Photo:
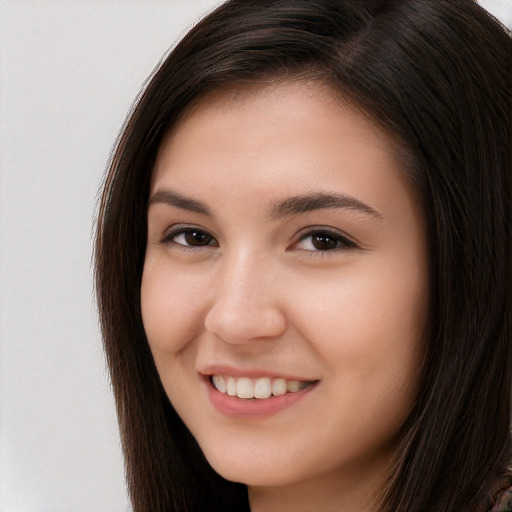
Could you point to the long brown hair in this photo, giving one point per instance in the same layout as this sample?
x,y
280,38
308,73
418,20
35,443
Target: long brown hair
x,y
435,74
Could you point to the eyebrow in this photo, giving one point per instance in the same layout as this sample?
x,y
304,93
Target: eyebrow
x,y
171,198
322,201
291,206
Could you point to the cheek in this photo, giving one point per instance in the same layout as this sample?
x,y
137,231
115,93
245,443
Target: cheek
x,y
370,323
368,330
171,314
171,306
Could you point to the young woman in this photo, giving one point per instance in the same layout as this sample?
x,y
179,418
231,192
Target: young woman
x,y
304,262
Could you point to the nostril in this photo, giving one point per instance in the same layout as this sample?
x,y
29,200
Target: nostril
x,y
247,323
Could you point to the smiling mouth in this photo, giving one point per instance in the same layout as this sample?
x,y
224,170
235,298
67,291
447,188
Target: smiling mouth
x,y
264,387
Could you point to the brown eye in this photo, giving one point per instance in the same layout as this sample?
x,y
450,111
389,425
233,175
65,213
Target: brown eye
x,y
323,241
197,238
190,237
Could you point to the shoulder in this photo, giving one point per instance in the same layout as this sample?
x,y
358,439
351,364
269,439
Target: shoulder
x,y
496,494
502,495
503,501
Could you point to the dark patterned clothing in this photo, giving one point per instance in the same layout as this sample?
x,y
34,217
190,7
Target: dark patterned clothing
x,y
503,501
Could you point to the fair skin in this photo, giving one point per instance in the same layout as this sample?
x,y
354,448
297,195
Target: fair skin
x,y
285,249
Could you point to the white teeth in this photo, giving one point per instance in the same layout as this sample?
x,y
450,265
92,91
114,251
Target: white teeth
x,y
264,387
278,387
219,383
244,388
231,386
292,386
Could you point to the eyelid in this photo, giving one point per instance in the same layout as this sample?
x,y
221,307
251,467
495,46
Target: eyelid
x,y
171,232
347,241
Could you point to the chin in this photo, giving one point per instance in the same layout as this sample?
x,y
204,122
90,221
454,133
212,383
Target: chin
x,y
251,471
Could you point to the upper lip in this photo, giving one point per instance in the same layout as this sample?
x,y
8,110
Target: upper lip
x,y
252,373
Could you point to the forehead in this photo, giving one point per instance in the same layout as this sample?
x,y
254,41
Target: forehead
x,y
299,129
302,97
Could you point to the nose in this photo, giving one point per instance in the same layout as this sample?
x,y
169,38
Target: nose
x,y
246,303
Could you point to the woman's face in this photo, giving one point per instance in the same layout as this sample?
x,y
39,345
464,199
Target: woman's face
x,y
286,265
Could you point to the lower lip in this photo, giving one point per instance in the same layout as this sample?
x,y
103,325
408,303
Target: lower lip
x,y
255,407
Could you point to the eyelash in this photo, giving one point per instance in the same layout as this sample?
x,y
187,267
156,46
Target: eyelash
x,y
169,237
342,242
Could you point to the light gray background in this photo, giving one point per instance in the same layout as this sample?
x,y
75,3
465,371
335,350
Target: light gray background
x,y
69,71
